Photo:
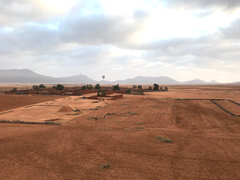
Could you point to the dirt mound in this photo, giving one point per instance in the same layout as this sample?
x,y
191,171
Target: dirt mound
x,y
66,109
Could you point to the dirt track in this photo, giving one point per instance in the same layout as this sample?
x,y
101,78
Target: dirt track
x,y
206,143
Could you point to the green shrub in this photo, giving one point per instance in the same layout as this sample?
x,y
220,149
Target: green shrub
x,y
105,166
164,140
101,93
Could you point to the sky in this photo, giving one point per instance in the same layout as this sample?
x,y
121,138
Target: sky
x,y
122,39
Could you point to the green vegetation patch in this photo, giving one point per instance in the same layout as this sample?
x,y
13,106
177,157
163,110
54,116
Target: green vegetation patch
x,y
28,122
132,113
164,140
105,166
95,101
140,123
93,117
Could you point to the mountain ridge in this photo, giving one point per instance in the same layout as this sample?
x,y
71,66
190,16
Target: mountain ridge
x,y
28,76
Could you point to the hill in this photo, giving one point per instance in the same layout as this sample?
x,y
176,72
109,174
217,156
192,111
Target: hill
x,y
28,76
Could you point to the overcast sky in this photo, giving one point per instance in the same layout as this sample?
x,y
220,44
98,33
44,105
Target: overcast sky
x,y
181,39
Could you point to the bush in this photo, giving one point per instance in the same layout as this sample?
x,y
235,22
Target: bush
x,y
101,93
105,166
134,86
150,88
164,140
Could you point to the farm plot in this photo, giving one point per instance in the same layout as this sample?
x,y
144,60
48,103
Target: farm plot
x,y
14,101
137,137
230,106
57,110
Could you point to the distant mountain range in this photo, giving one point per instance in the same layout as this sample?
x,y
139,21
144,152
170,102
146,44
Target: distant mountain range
x,y
28,76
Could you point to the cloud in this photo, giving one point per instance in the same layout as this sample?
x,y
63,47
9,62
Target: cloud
x,y
201,4
233,31
32,38
100,29
17,12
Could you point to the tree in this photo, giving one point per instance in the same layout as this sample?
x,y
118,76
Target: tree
x,y
35,87
129,91
134,86
14,89
59,87
116,87
42,86
150,87
97,86
90,87
84,87
155,87
139,86
166,89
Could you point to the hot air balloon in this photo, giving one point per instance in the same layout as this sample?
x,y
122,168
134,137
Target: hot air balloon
x,y
103,76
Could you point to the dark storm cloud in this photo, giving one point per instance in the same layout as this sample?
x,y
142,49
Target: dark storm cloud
x,y
100,29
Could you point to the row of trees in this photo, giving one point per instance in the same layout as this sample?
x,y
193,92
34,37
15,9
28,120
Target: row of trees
x,y
90,87
37,87
60,87
156,87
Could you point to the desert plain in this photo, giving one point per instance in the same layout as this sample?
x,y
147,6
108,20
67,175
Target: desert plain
x,y
177,134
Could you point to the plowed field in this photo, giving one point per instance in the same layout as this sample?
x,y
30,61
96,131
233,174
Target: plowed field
x,y
14,101
201,142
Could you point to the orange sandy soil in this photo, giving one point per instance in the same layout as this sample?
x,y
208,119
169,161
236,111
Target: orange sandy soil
x,y
206,140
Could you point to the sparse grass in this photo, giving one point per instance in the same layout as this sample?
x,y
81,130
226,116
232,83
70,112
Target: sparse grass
x,y
95,101
124,115
164,140
138,128
105,166
140,123
135,129
118,122
93,117
29,122
132,113
75,114
106,129
124,104
97,108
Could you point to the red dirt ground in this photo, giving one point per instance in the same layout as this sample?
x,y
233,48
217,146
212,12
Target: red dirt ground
x,y
14,101
206,141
